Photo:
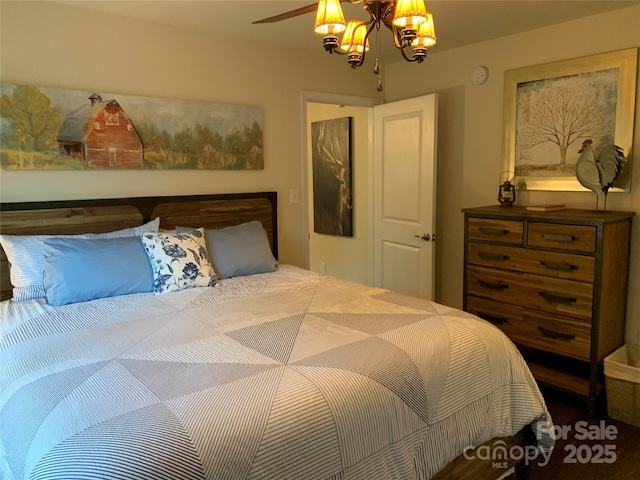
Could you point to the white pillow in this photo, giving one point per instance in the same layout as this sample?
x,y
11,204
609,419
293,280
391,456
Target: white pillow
x,y
179,260
26,257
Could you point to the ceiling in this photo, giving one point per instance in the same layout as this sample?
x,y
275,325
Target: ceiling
x,y
458,22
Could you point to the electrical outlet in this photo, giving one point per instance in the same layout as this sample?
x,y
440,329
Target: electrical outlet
x,y
323,267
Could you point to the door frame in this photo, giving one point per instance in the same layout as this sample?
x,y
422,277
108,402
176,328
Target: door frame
x,y
332,99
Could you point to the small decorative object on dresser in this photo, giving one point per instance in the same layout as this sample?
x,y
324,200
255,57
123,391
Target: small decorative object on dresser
x,y
556,283
507,190
600,173
546,207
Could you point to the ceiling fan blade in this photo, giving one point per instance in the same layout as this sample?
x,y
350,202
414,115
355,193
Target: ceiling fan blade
x,y
298,11
293,13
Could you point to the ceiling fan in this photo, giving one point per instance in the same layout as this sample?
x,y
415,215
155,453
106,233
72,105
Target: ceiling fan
x,y
409,21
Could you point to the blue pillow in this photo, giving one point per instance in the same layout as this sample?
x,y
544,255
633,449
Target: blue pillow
x,y
78,270
239,250
26,259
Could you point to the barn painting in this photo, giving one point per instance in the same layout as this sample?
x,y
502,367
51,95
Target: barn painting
x,y
332,182
101,135
45,128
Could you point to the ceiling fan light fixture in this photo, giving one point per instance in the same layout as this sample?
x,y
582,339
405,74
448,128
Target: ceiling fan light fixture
x,y
411,25
426,36
355,37
329,18
409,14
355,42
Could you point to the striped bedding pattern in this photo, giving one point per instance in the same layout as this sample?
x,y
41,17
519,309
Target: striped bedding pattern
x,y
284,375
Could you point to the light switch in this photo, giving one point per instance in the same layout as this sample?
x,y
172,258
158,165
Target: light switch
x,y
293,196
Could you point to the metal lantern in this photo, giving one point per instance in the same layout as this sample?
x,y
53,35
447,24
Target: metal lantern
x,y
507,194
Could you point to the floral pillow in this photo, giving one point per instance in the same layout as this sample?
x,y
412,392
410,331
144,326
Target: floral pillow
x,y
179,260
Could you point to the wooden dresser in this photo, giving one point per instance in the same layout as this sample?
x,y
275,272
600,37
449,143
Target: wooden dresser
x,y
555,283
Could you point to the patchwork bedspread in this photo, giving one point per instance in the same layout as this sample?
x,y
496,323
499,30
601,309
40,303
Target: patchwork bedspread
x,y
285,375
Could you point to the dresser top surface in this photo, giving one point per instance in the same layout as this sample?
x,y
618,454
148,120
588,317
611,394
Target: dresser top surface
x,y
569,215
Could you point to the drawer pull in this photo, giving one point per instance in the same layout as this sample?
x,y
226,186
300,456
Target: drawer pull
x,y
552,298
493,256
494,231
556,335
563,267
560,238
493,319
493,286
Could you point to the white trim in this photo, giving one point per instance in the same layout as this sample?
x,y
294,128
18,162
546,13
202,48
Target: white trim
x,y
371,196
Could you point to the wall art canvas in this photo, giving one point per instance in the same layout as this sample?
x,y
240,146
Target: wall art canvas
x,y
551,109
332,177
555,115
45,128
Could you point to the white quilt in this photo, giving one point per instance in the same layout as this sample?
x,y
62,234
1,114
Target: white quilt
x,y
284,375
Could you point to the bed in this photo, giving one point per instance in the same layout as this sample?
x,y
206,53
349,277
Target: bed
x,y
270,373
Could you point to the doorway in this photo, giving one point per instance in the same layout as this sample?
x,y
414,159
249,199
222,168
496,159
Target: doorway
x,y
407,129
346,257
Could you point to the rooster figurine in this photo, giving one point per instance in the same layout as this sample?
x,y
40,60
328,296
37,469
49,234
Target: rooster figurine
x,y
599,174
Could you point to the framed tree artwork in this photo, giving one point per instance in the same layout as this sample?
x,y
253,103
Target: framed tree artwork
x,y
332,182
551,109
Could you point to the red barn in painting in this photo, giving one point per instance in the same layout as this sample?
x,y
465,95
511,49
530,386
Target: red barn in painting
x,y
102,135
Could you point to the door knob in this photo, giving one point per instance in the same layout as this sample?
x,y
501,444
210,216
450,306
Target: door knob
x,y
424,237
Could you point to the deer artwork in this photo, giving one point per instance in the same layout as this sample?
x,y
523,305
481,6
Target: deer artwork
x,y
333,200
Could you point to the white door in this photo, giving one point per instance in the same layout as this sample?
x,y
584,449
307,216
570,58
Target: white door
x,y
404,170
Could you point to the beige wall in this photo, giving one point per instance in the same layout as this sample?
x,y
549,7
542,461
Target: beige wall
x,y
67,47
345,257
470,132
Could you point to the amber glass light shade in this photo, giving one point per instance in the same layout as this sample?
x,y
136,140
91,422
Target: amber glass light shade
x,y
353,39
329,18
426,34
409,13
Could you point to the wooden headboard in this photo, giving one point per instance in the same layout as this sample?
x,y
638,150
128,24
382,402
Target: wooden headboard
x,y
104,215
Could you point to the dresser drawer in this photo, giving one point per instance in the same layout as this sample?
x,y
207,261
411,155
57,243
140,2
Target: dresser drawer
x,y
577,238
495,230
553,295
547,332
541,262
503,315
554,334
